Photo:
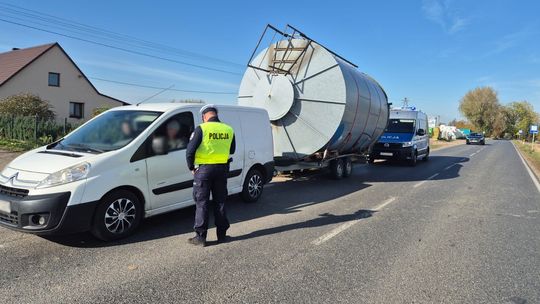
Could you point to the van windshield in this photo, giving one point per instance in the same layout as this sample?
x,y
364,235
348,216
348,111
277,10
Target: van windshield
x,y
400,126
110,131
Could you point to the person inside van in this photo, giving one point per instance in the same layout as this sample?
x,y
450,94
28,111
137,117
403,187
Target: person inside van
x,y
175,138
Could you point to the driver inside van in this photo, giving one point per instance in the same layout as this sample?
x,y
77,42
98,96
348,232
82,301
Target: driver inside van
x,y
175,139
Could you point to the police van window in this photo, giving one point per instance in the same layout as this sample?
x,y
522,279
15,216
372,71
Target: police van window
x,y
176,130
400,126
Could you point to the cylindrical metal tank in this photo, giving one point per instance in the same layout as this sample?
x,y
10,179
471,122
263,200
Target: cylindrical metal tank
x,y
316,100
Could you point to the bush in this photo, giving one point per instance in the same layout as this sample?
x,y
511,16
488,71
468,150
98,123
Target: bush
x,y
26,104
99,110
33,129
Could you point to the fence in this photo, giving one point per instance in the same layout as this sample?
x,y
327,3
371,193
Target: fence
x,y
33,128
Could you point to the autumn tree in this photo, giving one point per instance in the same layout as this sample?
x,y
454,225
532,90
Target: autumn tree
x,y
481,107
521,116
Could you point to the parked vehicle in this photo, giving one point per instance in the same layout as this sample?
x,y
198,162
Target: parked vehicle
x,y
405,137
476,138
125,165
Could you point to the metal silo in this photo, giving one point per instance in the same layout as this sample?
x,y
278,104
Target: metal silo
x,y
318,102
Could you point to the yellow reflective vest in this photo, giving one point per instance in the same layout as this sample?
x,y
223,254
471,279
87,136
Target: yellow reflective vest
x,y
215,145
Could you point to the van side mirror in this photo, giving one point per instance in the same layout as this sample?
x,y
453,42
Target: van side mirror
x,y
421,132
159,145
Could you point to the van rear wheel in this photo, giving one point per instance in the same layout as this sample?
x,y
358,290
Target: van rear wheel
x,y
117,215
253,186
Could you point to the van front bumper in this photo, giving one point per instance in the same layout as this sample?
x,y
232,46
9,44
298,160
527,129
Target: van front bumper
x,y
45,214
392,153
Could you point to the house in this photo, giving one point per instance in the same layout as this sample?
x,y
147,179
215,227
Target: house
x,y
48,71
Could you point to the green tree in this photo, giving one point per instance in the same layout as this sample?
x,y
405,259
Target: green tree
x,y
481,107
521,116
26,104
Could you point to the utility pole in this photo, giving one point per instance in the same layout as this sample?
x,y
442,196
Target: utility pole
x,y
405,102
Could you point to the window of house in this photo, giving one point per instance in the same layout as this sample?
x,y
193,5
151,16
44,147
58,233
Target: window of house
x,y
54,79
76,109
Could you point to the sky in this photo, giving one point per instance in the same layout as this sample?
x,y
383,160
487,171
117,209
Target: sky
x,y
430,51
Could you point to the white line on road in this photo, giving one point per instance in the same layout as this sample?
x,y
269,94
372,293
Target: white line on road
x,y
450,166
531,174
429,178
384,204
325,237
333,233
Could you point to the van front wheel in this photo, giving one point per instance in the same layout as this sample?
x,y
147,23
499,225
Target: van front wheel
x,y
253,186
117,215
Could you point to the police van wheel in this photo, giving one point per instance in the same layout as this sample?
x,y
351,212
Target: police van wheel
x,y
117,215
426,157
253,186
337,169
414,159
348,167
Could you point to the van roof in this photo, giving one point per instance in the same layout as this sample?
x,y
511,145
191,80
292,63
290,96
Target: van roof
x,y
171,106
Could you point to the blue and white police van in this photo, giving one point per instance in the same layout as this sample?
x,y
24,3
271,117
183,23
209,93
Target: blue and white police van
x,y
406,137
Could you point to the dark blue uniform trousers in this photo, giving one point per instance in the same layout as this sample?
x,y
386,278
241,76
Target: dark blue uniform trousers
x,y
210,179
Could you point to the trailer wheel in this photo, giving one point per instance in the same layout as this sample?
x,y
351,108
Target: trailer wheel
x,y
117,215
337,169
348,167
253,186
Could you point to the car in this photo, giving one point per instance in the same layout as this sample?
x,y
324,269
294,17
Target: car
x,y
125,165
476,138
405,137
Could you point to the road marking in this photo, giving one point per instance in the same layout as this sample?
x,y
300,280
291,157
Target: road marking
x,y
327,236
450,166
429,178
384,204
334,232
531,174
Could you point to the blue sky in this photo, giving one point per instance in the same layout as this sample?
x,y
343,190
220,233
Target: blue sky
x,y
430,51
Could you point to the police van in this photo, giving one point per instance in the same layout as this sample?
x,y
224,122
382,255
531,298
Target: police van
x,y
124,165
406,137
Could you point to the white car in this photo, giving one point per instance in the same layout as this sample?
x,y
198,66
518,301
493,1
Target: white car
x,y
116,169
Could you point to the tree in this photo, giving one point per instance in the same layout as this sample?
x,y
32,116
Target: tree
x,y
461,124
26,104
481,107
521,116
189,100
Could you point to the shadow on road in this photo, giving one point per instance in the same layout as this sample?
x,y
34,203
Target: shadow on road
x,y
323,220
282,197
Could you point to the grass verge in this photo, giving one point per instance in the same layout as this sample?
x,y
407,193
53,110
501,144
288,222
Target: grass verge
x,y
530,155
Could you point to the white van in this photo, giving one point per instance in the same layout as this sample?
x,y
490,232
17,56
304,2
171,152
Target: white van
x,y
406,137
108,174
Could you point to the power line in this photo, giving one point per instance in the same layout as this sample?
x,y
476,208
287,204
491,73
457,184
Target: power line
x,y
161,88
121,48
21,11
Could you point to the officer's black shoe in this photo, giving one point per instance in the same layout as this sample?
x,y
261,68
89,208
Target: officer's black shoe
x,y
223,239
196,241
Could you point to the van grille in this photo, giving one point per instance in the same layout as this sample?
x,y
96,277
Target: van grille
x,y
10,219
390,145
16,192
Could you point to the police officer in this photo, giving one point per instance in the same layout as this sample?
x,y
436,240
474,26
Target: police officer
x,y
207,157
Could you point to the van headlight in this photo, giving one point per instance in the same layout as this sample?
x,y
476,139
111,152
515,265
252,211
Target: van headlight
x,y
65,176
407,144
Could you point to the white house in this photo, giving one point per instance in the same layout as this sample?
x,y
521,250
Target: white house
x,y
48,71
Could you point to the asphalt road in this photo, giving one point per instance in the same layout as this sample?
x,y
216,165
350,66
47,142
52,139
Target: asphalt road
x,y
463,227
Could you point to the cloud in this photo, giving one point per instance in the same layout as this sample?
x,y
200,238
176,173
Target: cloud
x,y
511,40
441,13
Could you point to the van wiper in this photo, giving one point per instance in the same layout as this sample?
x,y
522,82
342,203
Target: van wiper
x,y
83,147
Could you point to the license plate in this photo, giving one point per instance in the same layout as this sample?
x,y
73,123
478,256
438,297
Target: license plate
x,y
5,207
387,153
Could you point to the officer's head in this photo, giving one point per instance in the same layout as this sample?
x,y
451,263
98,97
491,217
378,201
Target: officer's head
x,y
208,111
